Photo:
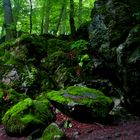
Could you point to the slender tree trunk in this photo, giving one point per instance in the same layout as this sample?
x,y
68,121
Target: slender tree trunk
x,y
62,12
31,13
8,19
63,28
16,9
47,17
59,19
72,26
42,24
80,13
42,19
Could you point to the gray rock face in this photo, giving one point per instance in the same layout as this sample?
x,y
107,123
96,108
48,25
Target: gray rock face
x,y
115,36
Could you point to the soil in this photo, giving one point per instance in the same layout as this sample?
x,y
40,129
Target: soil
x,y
117,130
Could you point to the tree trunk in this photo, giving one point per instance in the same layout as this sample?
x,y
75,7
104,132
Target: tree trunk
x,y
31,11
61,16
8,19
16,9
42,25
63,29
42,18
72,26
47,17
80,13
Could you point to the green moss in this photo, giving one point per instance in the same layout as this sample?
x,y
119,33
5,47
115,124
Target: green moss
x,y
23,105
26,116
56,96
8,98
52,132
72,92
55,45
29,118
83,90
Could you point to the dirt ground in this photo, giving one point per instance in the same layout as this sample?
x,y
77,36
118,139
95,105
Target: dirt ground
x,y
125,129
74,130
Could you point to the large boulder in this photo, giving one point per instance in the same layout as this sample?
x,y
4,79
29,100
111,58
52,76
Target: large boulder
x,y
114,34
81,103
27,116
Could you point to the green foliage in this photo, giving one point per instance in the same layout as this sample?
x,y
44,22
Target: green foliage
x,y
137,16
83,58
80,44
29,77
21,12
6,56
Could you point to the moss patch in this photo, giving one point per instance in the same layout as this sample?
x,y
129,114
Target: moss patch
x,y
52,132
8,98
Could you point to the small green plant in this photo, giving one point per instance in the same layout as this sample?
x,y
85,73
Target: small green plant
x,y
81,47
83,58
80,44
29,76
136,15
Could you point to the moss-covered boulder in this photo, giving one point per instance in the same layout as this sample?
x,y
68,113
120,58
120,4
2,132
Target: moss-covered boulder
x,y
115,39
20,62
81,102
25,49
26,116
53,132
8,98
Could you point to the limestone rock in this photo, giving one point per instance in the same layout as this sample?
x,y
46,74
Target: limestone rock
x,y
114,33
81,103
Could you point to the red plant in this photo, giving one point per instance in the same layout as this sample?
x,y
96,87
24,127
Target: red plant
x,y
5,96
78,71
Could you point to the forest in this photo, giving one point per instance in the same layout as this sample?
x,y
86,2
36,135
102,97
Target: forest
x,y
42,17
69,69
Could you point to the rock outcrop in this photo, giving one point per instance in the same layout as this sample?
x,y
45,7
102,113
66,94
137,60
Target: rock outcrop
x,y
115,38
